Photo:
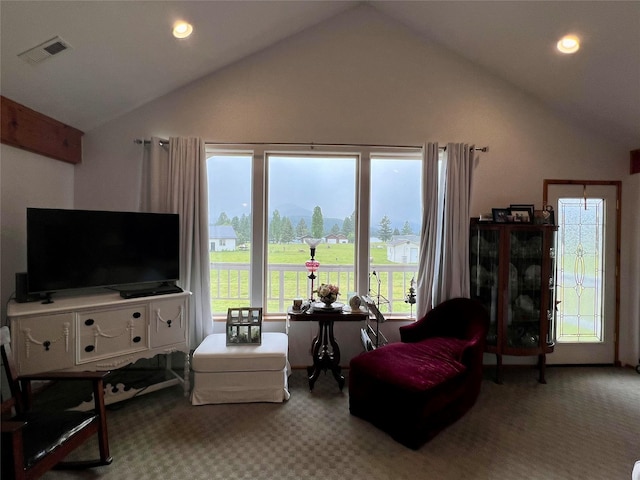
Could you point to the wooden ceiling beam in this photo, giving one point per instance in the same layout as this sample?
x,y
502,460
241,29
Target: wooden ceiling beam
x,y
29,130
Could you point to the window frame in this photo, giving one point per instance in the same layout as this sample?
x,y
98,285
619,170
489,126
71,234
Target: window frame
x,y
259,194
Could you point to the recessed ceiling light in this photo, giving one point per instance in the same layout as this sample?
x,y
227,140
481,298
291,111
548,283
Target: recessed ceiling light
x,y
182,30
568,44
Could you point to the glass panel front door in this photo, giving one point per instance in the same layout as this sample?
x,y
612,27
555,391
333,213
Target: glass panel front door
x,y
581,270
586,263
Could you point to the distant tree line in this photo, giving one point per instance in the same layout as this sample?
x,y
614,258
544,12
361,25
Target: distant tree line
x,y
281,229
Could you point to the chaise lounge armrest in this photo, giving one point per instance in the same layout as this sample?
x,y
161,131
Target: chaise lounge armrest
x,y
461,318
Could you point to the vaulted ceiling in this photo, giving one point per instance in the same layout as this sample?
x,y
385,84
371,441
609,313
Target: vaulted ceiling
x,y
122,54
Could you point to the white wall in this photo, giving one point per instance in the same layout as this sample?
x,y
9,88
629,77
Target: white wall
x,y
630,272
362,78
358,78
26,180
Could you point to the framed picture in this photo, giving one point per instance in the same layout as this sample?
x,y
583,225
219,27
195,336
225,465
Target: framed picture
x,y
500,215
521,213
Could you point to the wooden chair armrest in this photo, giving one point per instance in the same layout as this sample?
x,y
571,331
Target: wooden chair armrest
x,y
65,376
96,378
11,426
7,407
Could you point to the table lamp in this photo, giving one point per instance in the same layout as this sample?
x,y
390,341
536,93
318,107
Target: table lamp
x,y
312,264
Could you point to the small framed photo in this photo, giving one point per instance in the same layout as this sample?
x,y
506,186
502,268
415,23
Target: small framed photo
x,y
500,215
521,213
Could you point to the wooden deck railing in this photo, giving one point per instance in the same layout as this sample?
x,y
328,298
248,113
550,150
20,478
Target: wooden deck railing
x,y
230,285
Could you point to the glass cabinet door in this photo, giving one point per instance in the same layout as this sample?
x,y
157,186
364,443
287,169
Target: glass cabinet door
x,y
485,267
525,288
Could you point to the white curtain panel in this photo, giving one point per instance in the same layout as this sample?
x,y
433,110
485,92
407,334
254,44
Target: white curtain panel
x,y
452,279
429,234
155,178
175,181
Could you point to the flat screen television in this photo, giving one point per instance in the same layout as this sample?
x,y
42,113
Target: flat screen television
x,y
79,249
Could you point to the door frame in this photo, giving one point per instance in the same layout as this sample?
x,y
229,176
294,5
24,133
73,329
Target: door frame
x,y
618,185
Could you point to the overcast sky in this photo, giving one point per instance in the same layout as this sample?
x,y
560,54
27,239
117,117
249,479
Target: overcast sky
x,y
305,183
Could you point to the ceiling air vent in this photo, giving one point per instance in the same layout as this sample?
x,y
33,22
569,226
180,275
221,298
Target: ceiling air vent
x,y
44,50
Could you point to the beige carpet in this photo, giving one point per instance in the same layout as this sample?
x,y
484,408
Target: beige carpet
x,y
584,424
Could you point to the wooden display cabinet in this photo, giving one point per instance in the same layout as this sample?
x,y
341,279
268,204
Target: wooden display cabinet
x,y
513,275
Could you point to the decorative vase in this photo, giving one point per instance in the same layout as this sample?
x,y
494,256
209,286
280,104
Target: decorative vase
x,y
328,301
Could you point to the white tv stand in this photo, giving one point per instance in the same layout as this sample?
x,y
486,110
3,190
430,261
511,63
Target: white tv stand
x,y
101,332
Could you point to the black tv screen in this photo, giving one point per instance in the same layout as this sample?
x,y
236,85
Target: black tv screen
x,y
76,249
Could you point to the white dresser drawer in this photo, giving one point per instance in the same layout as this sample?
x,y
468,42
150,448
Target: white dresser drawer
x,y
168,322
42,342
112,332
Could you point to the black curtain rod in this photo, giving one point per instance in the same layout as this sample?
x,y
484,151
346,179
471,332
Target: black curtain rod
x,y
165,142
139,141
475,149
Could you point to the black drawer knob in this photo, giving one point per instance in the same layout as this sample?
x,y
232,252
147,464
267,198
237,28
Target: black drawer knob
x,y
89,348
89,321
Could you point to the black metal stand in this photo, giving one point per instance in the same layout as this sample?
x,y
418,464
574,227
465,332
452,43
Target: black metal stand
x,y
380,299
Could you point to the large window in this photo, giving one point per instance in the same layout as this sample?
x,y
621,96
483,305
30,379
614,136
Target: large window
x,y
309,197
230,228
360,206
396,223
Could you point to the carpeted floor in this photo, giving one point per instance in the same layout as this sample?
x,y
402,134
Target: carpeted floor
x,y
584,424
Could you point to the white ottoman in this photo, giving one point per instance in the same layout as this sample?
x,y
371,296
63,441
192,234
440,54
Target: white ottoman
x,y
241,373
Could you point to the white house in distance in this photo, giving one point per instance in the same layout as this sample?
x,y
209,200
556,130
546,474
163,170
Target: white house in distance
x,y
304,238
403,249
335,238
222,238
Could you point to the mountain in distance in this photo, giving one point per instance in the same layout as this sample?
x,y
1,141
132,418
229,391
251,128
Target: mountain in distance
x,y
292,210
295,212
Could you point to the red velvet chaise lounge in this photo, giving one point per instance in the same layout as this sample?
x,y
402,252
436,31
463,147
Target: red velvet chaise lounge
x,y
414,388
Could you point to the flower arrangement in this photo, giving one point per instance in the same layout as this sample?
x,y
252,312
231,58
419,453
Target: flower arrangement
x,y
328,293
